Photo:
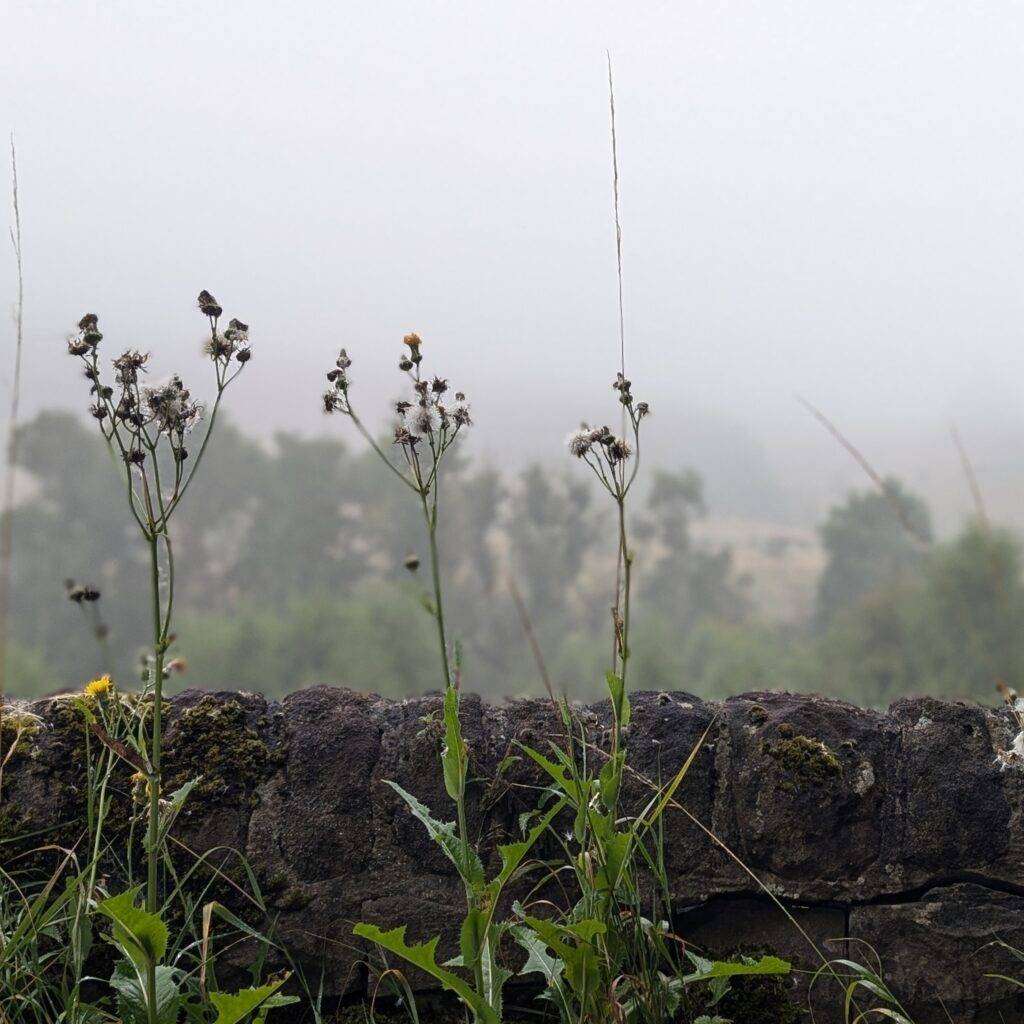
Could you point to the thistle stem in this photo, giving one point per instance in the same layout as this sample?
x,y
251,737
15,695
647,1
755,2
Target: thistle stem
x,y
435,572
157,735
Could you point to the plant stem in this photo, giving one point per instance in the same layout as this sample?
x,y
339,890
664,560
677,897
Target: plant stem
x,y
153,831
435,571
627,564
152,854
7,523
622,620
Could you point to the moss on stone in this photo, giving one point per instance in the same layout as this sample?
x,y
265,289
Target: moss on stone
x,y
213,741
804,761
757,714
295,898
764,1000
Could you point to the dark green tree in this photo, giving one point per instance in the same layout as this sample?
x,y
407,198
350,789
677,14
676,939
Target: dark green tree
x,y
871,540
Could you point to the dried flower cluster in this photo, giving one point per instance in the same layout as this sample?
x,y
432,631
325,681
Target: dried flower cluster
x,y
603,451
427,426
134,418
426,421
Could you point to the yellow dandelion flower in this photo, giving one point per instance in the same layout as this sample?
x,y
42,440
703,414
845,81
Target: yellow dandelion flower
x,y
98,687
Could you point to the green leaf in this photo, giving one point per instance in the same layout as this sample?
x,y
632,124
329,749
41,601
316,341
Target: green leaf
x,y
721,969
142,936
538,960
512,854
620,699
132,1005
572,945
472,936
616,851
461,854
233,1008
575,791
422,955
455,754
611,778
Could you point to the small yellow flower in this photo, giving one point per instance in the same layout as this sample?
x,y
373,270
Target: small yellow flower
x,y
98,687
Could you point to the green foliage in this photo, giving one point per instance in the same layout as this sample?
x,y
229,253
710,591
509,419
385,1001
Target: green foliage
x,y
423,955
872,540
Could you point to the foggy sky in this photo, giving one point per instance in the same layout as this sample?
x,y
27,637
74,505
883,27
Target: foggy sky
x,y
818,197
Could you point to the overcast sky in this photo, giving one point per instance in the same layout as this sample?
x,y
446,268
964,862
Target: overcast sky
x,y
820,197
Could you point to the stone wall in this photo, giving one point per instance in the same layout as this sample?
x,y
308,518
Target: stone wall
x,y
899,829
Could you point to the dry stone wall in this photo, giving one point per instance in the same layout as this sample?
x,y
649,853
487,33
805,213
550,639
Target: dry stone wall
x,y
900,829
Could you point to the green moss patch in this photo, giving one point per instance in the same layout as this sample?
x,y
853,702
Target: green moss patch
x,y
803,761
213,741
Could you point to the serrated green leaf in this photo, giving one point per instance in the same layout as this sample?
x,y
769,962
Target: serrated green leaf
x,y
472,936
721,969
610,778
423,955
538,959
461,854
512,854
615,852
142,935
572,945
234,1007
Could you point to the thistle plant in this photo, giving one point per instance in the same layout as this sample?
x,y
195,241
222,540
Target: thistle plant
x,y
426,428
147,429
615,461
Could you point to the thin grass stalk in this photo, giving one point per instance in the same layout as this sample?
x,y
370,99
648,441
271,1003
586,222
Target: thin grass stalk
x,y
11,460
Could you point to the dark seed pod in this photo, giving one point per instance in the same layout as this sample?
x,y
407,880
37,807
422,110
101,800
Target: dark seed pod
x,y
208,305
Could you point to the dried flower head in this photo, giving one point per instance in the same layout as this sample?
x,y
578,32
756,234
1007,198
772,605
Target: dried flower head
x,y
403,436
208,305
619,450
128,366
171,408
425,420
580,442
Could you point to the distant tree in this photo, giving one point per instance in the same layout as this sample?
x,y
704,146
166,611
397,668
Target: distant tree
x,y
552,526
873,539
682,582
971,632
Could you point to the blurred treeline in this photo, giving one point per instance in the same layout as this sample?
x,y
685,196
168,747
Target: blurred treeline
x,y
291,570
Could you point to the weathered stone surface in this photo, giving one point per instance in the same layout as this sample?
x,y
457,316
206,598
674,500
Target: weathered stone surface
x,y
955,797
311,835
810,771
876,819
936,952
